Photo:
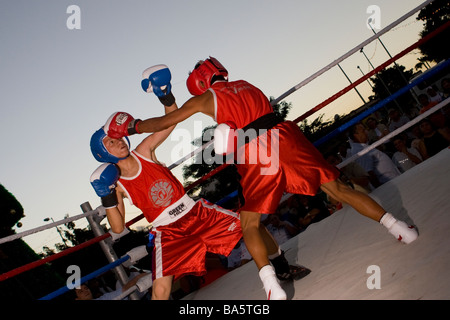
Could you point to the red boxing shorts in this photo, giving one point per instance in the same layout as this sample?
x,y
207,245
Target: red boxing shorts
x,y
286,162
181,246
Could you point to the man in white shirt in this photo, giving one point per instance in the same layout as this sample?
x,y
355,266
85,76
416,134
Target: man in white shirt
x,y
377,164
405,158
396,120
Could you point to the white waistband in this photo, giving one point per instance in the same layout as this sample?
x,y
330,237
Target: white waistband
x,y
174,212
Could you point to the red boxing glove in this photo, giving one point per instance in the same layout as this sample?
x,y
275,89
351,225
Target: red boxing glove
x,y
121,124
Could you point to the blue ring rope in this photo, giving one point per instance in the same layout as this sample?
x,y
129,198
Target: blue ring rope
x,y
88,277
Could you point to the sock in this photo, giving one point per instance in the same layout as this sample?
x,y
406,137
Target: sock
x,y
277,254
280,263
387,220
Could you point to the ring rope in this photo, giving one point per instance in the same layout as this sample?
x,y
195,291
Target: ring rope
x,y
394,133
65,252
383,102
86,278
47,226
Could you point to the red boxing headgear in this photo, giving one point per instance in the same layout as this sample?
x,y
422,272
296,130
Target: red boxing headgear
x,y
199,79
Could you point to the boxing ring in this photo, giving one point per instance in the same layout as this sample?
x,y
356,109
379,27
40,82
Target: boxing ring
x,y
94,216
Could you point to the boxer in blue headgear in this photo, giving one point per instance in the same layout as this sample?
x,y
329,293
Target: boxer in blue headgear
x,y
99,150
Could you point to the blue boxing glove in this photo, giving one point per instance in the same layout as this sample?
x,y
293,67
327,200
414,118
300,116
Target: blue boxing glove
x,y
156,79
103,180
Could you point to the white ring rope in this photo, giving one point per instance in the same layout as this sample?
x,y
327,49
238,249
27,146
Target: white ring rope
x,y
394,133
51,225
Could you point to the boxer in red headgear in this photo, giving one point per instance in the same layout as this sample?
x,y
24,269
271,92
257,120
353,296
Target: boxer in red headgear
x,y
299,167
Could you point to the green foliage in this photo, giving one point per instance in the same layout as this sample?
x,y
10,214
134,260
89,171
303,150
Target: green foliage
x,y
434,15
31,284
389,81
11,212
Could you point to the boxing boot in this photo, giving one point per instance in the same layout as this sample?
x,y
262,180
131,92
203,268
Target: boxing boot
x,y
271,285
284,271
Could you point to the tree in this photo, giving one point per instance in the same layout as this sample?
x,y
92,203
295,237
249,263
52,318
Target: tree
x,y
389,81
31,284
316,129
11,212
434,15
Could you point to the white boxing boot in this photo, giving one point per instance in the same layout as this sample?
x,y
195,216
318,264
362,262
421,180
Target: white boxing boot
x,y
271,285
399,229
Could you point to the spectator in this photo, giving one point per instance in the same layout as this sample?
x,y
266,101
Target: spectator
x,y
434,140
313,210
344,151
377,163
288,210
89,291
352,173
405,158
434,95
418,142
376,130
238,256
438,117
445,85
281,230
396,120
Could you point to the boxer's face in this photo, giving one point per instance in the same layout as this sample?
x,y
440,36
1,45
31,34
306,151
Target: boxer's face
x,y
116,147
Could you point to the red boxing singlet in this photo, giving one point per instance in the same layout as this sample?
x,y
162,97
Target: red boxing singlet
x,y
153,188
238,103
294,164
180,245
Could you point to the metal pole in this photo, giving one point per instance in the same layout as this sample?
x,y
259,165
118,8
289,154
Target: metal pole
x,y
107,248
364,101
57,229
364,75
379,77
395,63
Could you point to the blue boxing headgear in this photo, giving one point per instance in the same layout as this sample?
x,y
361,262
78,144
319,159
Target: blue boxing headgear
x,y
99,150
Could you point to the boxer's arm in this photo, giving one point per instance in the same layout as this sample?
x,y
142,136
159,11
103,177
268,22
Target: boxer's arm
x,y
203,103
116,215
104,181
148,146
